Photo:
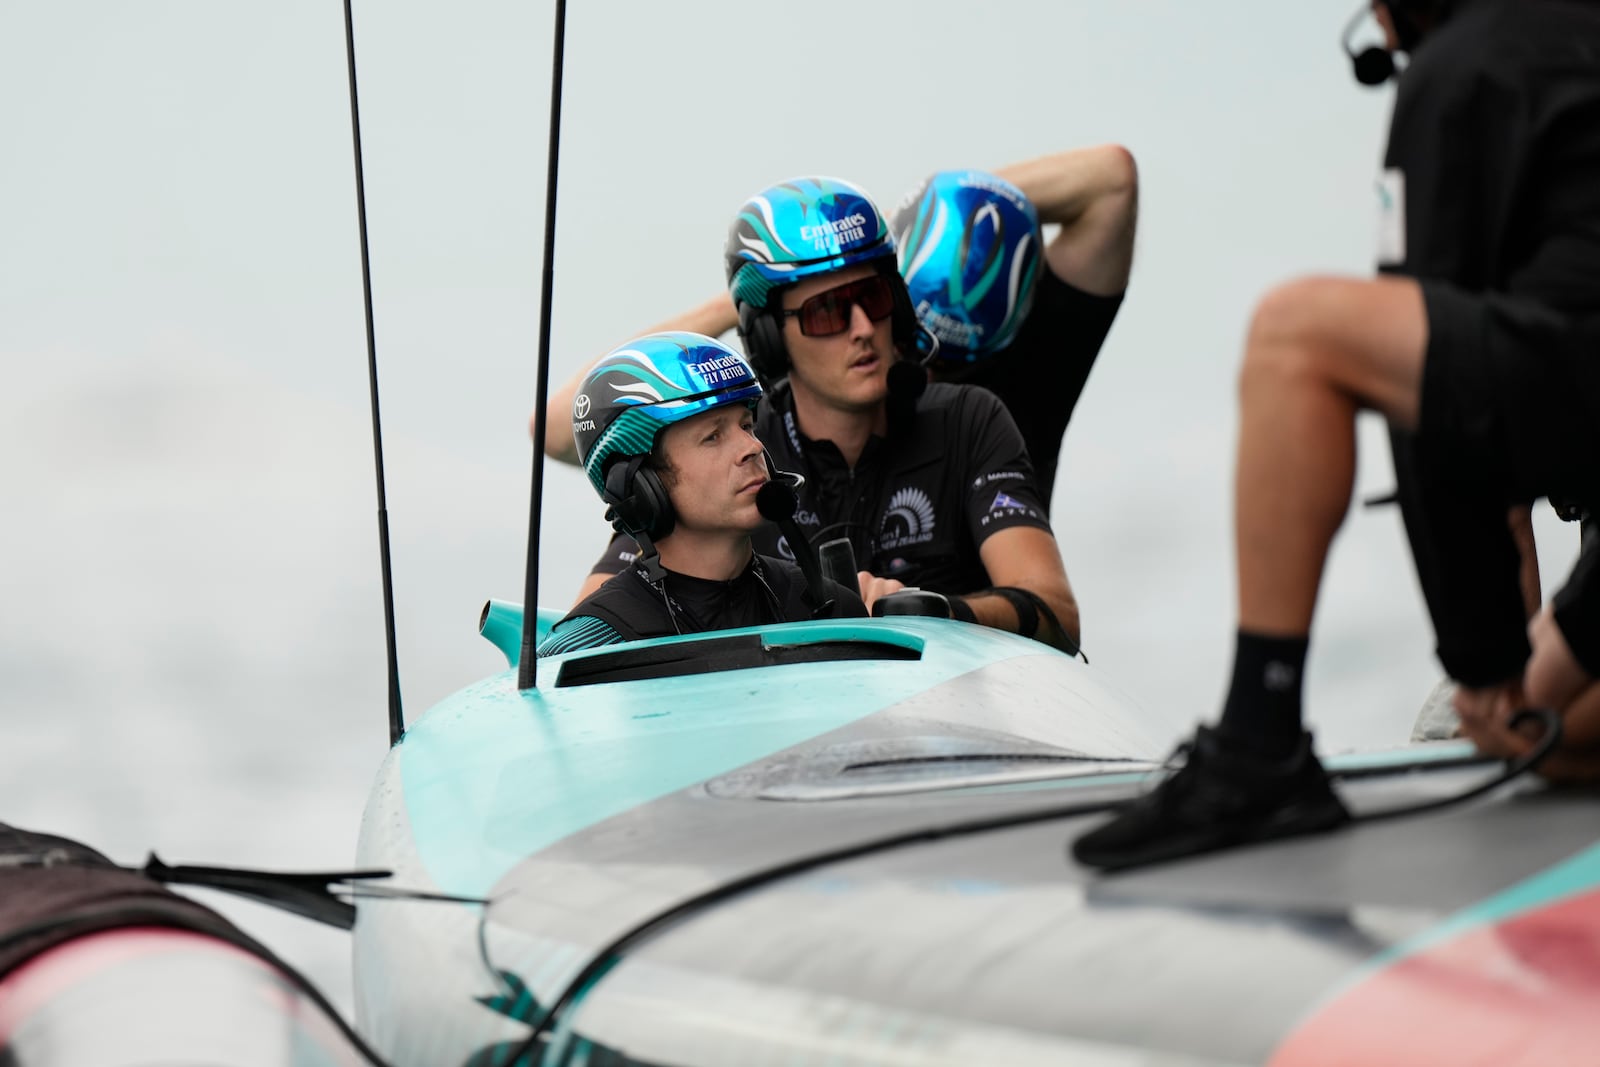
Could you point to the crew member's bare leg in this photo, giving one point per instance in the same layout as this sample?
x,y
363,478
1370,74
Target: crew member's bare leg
x,y
1319,350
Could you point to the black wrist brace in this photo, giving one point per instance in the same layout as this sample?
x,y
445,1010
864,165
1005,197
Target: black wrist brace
x,y
1029,606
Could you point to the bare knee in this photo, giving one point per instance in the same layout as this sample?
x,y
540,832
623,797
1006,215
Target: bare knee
x,y
1362,338
1296,312
1284,345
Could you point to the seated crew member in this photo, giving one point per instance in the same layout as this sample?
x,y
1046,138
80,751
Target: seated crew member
x,y
1033,345
663,427
930,483
970,252
1480,345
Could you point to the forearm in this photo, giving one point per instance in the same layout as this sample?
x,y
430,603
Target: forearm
x,y
713,318
591,585
1576,608
1093,195
1066,185
1520,521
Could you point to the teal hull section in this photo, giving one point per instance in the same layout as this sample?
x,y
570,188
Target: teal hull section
x,y
493,775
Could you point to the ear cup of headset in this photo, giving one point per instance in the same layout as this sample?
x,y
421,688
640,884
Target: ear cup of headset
x,y
1373,66
763,342
903,317
639,502
655,506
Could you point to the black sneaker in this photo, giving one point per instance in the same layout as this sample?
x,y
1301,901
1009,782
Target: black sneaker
x,y
1220,797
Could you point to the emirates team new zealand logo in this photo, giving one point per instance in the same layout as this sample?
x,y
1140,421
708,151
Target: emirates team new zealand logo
x,y
909,520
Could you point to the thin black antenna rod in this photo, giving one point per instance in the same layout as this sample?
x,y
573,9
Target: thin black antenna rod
x,y
530,595
397,722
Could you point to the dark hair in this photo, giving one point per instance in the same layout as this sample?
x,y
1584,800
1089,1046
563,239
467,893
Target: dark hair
x,y
657,461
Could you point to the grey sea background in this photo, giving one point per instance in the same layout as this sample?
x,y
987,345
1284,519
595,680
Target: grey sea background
x,y
191,644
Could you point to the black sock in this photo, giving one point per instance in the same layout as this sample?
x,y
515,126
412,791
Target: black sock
x,y
1262,712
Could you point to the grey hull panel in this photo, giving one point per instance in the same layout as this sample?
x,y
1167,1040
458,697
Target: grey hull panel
x,y
999,933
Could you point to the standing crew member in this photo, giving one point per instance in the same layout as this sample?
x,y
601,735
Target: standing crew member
x,y
1479,345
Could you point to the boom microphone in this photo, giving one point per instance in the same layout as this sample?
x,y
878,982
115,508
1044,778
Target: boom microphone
x,y
1372,66
906,382
777,503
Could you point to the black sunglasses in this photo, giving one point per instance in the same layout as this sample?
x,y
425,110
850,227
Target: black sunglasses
x,y
828,312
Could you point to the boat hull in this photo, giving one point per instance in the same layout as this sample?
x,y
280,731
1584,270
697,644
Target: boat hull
x,y
866,861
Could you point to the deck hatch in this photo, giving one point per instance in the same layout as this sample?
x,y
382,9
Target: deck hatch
x,y
718,654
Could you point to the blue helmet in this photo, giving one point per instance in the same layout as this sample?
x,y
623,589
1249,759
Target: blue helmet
x,y
795,230
969,252
636,391
798,228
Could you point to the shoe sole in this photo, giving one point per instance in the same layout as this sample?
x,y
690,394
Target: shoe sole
x,y
1285,822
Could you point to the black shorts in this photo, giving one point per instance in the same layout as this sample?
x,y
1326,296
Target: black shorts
x,y
1510,395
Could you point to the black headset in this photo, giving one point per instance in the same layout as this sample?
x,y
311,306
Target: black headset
x,y
639,505
761,328
1372,65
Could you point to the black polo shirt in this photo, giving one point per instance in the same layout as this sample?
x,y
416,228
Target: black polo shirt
x,y
918,503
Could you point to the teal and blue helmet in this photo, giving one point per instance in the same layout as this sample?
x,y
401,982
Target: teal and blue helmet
x,y
969,253
798,229
636,391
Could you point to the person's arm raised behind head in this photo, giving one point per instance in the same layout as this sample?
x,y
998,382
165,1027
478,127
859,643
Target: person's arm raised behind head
x,y
713,318
1093,195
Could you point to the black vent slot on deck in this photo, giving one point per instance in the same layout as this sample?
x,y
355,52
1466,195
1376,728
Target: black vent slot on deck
x,y
717,654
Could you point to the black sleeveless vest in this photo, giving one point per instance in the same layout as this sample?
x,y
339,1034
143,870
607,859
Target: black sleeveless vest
x,y
767,591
